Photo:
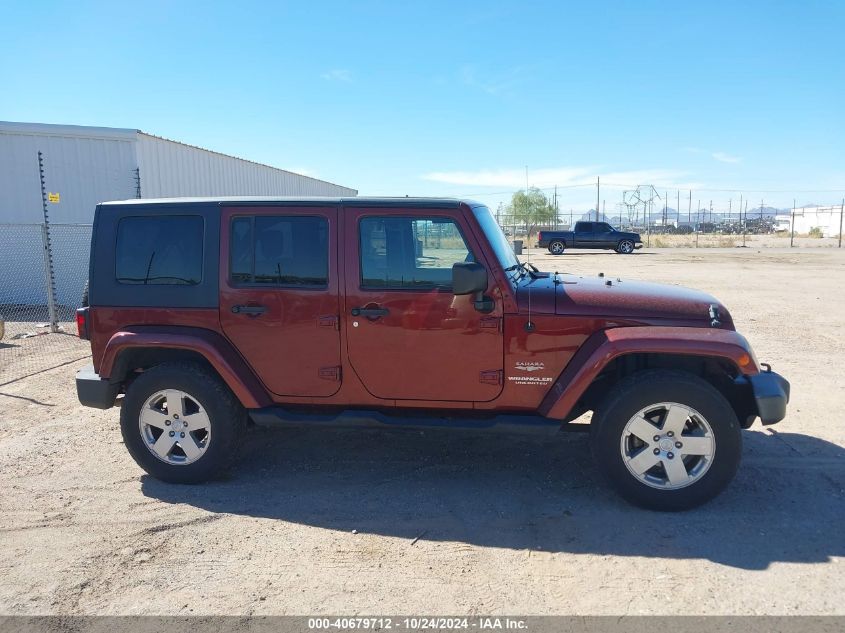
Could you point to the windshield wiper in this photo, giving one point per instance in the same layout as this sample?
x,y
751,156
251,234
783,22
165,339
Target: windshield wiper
x,y
148,279
525,269
518,266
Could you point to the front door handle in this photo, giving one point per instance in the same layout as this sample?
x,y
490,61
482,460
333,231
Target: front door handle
x,y
370,313
250,310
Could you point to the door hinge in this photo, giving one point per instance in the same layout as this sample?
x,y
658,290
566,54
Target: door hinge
x,y
328,320
329,373
491,377
491,322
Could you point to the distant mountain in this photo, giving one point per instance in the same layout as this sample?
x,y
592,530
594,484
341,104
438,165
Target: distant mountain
x,y
764,211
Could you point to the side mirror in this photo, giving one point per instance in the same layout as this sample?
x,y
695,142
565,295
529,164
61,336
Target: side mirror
x,y
468,278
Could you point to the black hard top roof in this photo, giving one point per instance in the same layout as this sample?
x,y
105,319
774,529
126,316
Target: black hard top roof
x,y
229,201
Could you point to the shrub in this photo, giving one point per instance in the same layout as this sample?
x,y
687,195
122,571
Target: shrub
x,y
816,232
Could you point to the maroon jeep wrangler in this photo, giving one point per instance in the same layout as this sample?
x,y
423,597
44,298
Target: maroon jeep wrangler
x,y
207,314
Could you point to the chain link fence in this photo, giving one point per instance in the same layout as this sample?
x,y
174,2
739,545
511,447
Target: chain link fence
x,y
44,269
805,228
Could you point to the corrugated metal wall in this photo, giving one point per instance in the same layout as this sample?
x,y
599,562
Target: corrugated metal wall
x,y
84,165
171,169
88,165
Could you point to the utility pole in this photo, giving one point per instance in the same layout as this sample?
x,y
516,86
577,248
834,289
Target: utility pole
x,y
841,213
598,195
697,221
745,224
761,214
604,215
689,208
792,235
711,212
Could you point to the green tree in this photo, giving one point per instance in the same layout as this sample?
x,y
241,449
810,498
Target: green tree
x,y
531,208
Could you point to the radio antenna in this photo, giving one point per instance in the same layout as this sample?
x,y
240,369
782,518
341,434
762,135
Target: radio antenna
x,y
529,325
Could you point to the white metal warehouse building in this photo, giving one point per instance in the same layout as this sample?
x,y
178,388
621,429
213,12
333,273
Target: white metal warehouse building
x,y
87,165
826,219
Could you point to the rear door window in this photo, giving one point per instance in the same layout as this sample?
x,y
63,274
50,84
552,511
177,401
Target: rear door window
x,y
277,250
159,250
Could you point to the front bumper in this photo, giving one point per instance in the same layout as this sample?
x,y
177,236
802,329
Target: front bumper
x,y
771,394
93,391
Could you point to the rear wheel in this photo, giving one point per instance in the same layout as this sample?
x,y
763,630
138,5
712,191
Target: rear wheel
x,y
556,247
666,440
180,423
626,247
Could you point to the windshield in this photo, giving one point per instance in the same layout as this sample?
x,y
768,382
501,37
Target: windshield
x,y
498,242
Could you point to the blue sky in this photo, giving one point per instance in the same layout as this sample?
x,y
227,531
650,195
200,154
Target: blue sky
x,y
448,98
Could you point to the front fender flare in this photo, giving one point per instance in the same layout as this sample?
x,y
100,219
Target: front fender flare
x,y
210,345
604,346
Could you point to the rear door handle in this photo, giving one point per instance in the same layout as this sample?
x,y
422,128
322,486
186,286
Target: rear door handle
x,y
250,310
370,312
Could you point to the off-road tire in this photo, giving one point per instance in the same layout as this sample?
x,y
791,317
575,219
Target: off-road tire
x,y
227,417
641,390
557,247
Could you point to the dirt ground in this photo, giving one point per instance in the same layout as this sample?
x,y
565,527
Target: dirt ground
x,y
386,522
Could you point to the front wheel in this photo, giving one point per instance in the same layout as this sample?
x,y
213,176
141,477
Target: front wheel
x,y
666,440
181,423
625,247
557,247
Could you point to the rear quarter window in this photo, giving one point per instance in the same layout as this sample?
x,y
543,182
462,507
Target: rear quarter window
x,y
159,250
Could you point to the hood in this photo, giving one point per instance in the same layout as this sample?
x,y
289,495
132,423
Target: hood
x,y
573,295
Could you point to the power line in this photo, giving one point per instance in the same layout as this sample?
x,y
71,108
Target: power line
x,y
629,186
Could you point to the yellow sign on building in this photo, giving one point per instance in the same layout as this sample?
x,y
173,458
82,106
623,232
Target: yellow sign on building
x,y
53,197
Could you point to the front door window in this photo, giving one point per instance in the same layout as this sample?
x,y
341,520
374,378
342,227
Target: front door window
x,y
413,253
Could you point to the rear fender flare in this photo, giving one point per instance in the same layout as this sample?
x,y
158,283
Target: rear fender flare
x,y
215,349
603,347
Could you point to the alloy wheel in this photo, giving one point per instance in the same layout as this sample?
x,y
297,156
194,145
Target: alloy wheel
x,y
668,445
175,427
